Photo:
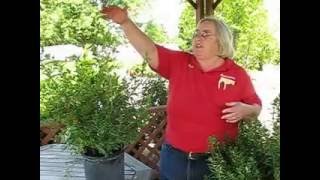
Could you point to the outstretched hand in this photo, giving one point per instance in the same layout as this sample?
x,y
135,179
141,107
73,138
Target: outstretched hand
x,y
115,13
235,112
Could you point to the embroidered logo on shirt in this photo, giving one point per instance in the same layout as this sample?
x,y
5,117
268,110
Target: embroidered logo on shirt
x,y
226,80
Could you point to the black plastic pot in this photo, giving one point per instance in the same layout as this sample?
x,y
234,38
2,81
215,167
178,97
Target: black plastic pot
x,y
104,168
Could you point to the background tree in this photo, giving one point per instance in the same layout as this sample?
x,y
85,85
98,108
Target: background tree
x,y
248,20
187,25
156,32
79,23
76,22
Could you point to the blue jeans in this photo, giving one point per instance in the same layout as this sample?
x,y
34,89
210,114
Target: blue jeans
x,y
175,165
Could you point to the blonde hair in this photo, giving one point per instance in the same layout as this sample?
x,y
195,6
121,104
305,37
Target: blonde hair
x,y
224,35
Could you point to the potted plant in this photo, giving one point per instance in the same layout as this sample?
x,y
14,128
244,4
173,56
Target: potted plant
x,y
98,112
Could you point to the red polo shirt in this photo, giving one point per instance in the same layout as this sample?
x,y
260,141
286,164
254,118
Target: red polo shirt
x,y
196,99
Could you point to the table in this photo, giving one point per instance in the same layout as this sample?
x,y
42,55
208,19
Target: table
x,y
57,162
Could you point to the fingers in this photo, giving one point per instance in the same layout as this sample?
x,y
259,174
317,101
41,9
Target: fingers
x,y
231,118
106,12
231,103
227,110
114,13
112,9
109,11
231,114
231,107
106,16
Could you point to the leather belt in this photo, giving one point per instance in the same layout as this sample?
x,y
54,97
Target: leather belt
x,y
191,155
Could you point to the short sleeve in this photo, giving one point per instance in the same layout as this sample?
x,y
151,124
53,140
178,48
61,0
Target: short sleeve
x,y
167,59
249,95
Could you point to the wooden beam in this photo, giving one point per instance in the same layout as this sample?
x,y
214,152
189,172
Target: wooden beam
x,y
215,4
193,4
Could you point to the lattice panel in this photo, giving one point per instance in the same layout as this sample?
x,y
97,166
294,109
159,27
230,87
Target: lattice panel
x,y
48,133
147,147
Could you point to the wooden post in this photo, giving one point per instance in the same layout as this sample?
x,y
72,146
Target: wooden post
x,y
204,7
208,7
199,10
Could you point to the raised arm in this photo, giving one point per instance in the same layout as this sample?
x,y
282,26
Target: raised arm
x,y
139,40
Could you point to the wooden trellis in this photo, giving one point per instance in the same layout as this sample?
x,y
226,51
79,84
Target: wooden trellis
x,y
48,132
147,148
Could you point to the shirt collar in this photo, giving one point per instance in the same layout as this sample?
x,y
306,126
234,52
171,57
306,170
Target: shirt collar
x,y
224,67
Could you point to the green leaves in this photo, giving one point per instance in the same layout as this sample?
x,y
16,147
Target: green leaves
x,y
187,26
93,103
75,22
254,43
97,107
255,154
248,20
154,87
156,32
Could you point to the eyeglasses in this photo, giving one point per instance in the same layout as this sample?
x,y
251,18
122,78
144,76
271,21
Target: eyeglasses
x,y
203,35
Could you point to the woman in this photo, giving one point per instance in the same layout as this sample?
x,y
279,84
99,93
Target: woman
x,y
208,93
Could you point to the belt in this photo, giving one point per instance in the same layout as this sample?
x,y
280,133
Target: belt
x,y
192,155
